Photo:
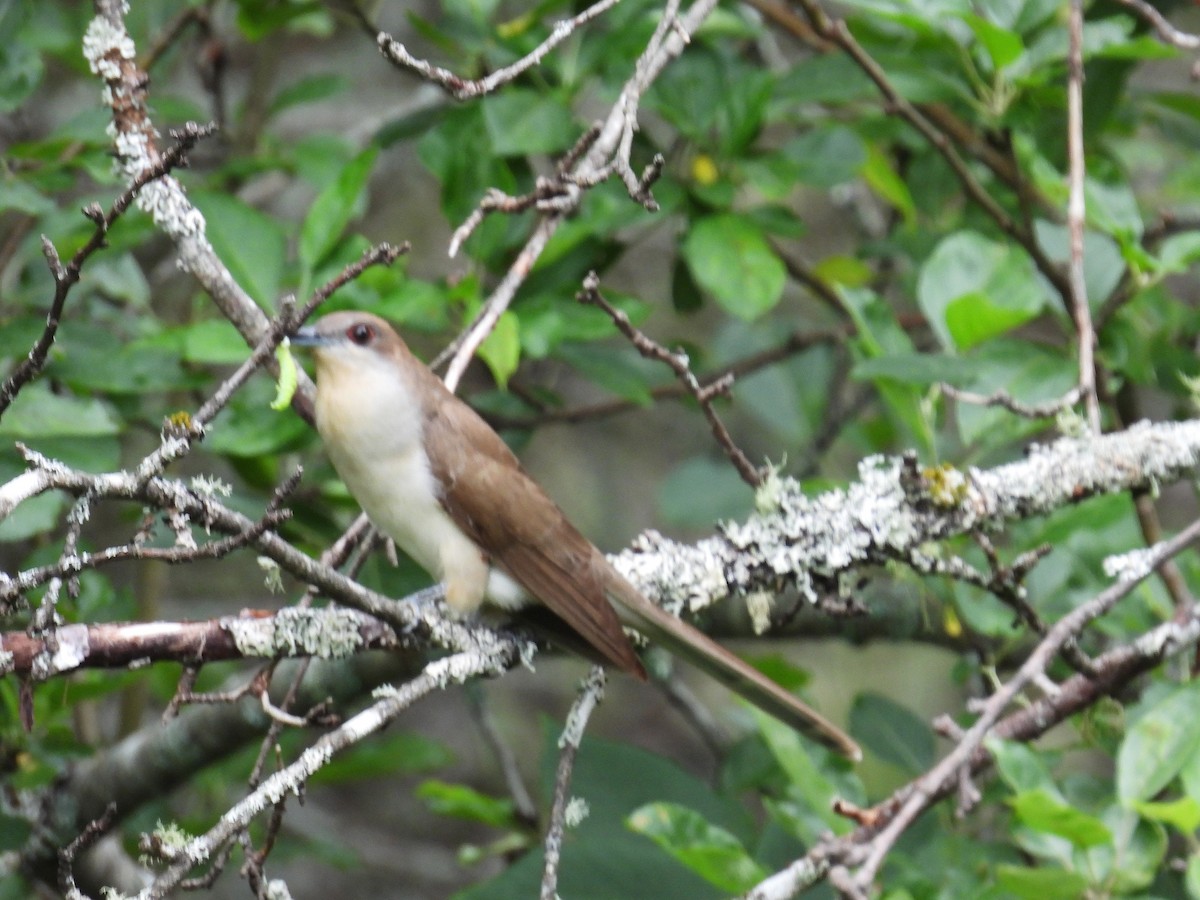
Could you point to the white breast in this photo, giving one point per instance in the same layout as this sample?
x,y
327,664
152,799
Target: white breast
x,y
371,426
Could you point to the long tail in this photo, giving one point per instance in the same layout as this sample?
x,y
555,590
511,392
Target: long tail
x,y
714,660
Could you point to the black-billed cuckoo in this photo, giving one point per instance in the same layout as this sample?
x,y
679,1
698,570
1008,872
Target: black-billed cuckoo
x,y
437,480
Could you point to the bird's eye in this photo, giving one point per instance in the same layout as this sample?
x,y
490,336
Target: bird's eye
x,y
360,334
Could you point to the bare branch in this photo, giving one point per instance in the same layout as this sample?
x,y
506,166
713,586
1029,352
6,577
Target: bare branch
x,y
1080,310
608,154
91,833
678,362
523,804
837,32
65,277
1165,30
591,692
1005,400
290,780
1114,670
330,632
1069,626
463,89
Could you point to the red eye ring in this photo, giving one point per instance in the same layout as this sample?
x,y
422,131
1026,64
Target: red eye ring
x,y
360,333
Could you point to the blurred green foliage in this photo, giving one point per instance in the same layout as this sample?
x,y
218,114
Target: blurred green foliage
x,y
793,201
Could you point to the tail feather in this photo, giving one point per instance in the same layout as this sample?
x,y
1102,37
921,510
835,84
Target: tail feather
x,y
715,661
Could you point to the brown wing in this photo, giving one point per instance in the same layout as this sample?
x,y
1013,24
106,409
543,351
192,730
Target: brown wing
x,y
491,498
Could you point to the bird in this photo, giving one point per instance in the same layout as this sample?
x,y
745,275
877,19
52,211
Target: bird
x,y
434,477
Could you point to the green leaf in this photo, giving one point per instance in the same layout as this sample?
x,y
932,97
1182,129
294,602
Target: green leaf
x,y
502,348
974,318
243,431
843,270
464,802
36,412
1135,858
731,259
1040,884
547,321
706,849
14,832
21,71
1003,46
807,781
526,121
879,334
402,753
416,304
617,370
119,278
333,209
1182,814
892,732
916,368
1038,810
215,342
35,516
826,157
1179,252
257,19
701,490
1022,768
309,89
881,176
1113,209
251,244
1103,264
20,196
92,359
831,78
1192,878
972,289
1162,741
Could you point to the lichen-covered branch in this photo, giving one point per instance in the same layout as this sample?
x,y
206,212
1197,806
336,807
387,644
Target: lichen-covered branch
x,y
818,545
290,780
329,632
591,692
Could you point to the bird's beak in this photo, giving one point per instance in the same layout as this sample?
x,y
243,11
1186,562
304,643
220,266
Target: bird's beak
x,y
309,337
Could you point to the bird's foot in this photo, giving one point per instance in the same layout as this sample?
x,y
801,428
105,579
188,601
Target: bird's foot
x,y
426,599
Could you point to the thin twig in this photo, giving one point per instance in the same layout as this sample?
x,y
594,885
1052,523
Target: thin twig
x,y
795,343
591,692
65,277
390,703
181,552
1069,626
91,833
380,255
678,363
836,31
607,155
464,89
1076,211
523,804
1005,400
197,15
1165,30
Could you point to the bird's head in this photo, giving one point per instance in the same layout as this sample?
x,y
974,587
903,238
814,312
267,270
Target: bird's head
x,y
350,341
